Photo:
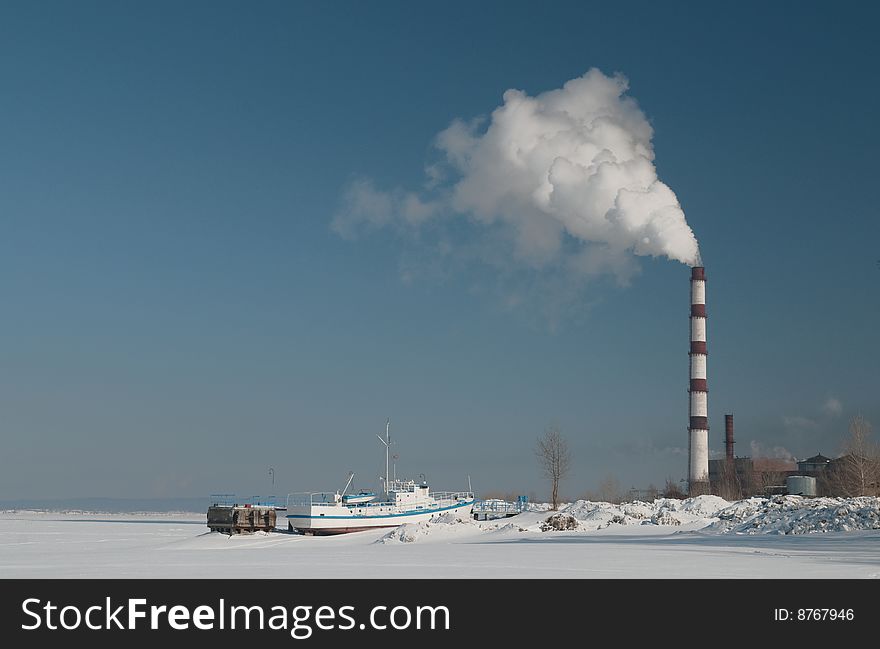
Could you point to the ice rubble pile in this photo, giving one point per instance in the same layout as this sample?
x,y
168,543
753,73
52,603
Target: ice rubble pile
x,y
798,515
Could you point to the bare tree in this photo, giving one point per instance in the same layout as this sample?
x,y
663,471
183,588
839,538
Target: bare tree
x,y
554,458
729,485
857,471
609,490
672,489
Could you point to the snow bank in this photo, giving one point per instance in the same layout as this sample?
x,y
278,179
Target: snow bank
x,y
777,515
447,525
450,527
798,515
710,514
663,511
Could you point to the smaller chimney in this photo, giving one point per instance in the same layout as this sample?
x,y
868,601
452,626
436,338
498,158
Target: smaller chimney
x,y
728,436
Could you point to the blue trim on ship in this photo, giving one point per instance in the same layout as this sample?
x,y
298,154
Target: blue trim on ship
x,y
361,517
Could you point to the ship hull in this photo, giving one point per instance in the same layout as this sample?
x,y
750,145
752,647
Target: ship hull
x,y
340,520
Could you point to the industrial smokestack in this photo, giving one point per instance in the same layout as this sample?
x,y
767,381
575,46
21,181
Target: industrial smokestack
x,y
728,437
698,440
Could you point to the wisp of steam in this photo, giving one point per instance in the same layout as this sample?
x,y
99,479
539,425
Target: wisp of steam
x,y
565,175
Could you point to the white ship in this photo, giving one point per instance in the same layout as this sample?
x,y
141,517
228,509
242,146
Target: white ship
x,y
406,501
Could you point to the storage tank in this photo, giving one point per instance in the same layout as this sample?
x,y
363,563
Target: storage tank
x,y
800,485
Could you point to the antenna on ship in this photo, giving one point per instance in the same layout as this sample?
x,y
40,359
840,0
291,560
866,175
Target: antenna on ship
x,y
387,443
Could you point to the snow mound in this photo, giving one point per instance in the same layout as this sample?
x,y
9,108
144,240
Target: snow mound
x,y
706,506
663,511
444,525
798,515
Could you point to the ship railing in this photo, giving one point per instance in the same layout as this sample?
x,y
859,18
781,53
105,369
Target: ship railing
x,y
231,500
329,499
498,507
452,497
222,500
311,499
262,501
322,499
402,485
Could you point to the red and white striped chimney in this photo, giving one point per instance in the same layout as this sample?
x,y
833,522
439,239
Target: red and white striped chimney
x,y
698,428
728,437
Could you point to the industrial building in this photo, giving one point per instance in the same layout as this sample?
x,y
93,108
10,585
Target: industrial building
x,y
814,466
741,477
731,477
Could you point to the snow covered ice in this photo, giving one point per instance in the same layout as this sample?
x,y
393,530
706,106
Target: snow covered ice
x,y
704,537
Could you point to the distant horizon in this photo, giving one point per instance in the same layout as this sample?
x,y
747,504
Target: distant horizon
x,y
42,503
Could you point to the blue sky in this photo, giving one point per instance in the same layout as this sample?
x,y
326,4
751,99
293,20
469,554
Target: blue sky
x,y
179,314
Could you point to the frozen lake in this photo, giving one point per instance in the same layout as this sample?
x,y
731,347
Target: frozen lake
x,y
46,544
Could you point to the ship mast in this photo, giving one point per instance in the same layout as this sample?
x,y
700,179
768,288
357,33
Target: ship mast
x,y
350,477
387,443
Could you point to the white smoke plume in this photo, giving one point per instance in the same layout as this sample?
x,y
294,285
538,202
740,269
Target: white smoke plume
x,y
832,407
566,178
770,453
